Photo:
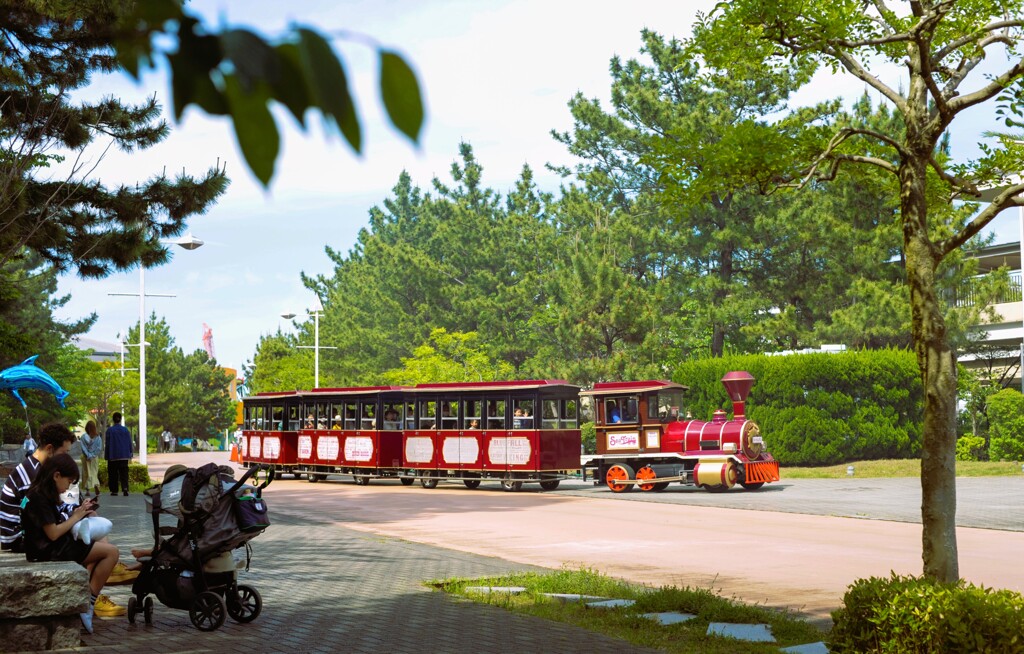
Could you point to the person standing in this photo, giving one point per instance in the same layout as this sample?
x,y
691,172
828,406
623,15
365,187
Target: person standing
x,y
166,439
92,447
117,452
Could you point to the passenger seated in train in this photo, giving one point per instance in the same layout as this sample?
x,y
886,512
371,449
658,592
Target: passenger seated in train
x,y
391,420
473,424
337,422
612,409
309,421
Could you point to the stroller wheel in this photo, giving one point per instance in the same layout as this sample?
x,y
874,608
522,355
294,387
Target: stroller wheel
x,y
207,611
147,609
133,608
245,604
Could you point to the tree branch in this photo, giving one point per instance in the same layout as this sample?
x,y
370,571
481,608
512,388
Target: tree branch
x,y
862,73
972,37
988,91
1012,196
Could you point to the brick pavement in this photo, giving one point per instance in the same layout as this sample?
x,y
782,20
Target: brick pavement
x,y
327,588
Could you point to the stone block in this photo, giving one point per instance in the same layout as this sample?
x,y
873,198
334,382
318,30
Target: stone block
x,y
42,589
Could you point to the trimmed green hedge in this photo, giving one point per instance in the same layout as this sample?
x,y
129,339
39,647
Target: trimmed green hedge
x,y
821,409
910,614
1006,425
138,476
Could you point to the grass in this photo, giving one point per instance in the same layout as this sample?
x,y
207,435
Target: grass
x,y
626,623
902,468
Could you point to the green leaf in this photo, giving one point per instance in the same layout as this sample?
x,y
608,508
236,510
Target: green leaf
x,y
325,76
253,59
290,86
400,92
254,127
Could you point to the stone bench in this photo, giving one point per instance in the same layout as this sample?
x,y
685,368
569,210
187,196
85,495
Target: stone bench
x,y
40,603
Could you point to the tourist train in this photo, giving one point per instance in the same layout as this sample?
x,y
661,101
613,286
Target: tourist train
x,y
510,432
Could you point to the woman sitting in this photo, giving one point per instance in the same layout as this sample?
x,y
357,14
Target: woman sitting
x,y
48,534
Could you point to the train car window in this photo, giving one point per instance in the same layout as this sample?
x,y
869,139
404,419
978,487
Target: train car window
x,y
668,404
549,414
471,414
449,414
522,415
410,415
570,415
259,418
428,414
392,415
277,417
250,413
496,414
310,420
294,418
351,411
336,415
368,419
620,409
323,415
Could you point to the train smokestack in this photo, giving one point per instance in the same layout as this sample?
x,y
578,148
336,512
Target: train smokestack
x,y
738,384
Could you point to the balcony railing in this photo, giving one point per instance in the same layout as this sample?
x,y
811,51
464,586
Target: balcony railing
x,y
966,295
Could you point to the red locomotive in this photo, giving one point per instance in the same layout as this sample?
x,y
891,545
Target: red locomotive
x,y
643,442
514,432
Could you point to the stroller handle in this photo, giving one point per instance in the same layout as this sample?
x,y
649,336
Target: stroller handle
x,y
249,473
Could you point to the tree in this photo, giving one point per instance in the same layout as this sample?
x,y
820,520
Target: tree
x,y
939,45
448,358
208,408
279,366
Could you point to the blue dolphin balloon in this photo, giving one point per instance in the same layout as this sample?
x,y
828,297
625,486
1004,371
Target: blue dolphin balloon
x,y
27,375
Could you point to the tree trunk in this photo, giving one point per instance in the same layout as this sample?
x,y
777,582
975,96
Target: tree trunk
x,y
938,376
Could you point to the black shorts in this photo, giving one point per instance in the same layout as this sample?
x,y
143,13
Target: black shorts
x,y
65,549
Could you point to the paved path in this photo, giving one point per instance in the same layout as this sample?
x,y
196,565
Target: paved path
x,y
327,588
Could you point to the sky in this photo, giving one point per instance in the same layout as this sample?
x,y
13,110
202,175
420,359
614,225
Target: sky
x,y
497,74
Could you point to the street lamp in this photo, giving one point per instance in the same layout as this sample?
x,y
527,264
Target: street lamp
x,y
189,242
316,311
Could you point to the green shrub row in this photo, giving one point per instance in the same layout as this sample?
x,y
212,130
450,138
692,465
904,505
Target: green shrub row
x,y
821,409
907,615
138,476
1006,426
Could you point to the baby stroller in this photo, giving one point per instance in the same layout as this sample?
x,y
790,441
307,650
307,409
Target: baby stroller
x,y
192,567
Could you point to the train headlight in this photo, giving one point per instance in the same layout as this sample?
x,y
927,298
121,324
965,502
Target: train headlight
x,y
751,441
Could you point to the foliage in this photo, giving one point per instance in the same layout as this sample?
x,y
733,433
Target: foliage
x,y
909,614
588,435
279,366
138,476
971,448
239,73
447,358
626,623
1006,413
820,409
50,206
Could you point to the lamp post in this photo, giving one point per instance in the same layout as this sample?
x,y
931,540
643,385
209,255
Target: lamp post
x,y
316,311
188,242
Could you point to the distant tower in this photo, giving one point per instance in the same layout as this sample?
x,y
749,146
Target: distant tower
x,y
208,341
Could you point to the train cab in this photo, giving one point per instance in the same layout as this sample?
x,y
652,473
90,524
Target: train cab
x,y
631,417
270,422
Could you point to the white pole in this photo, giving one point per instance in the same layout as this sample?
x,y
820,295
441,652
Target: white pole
x,y
142,365
316,349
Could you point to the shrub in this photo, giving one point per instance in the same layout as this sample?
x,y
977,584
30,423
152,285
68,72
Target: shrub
x,y
1006,424
821,409
910,614
588,433
138,476
970,448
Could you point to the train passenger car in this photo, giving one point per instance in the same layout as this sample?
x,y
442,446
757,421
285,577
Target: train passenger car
x,y
270,422
643,442
352,431
514,432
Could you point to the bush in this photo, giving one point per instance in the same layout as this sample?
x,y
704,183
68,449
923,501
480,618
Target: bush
x,y
138,476
1006,425
588,433
909,614
821,409
970,448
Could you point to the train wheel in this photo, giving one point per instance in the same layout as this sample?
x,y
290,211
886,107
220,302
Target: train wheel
x,y
648,475
549,484
428,481
616,475
660,486
407,481
471,483
311,478
362,480
753,486
511,485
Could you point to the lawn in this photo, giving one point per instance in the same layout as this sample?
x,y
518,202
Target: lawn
x,y
902,468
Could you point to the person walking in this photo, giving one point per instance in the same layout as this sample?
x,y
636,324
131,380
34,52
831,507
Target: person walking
x,y
92,447
117,452
166,439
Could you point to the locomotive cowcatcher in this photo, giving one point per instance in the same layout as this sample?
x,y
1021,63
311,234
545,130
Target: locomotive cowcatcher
x,y
643,442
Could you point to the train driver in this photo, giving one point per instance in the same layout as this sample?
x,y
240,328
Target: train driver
x,y
612,409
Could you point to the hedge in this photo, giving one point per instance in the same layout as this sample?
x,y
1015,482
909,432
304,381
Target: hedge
x,y
1006,426
910,614
821,409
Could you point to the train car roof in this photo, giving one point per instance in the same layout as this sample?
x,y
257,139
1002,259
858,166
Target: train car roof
x,y
509,385
270,394
355,390
611,388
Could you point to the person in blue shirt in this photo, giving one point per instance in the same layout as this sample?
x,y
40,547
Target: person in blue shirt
x,y
613,412
117,452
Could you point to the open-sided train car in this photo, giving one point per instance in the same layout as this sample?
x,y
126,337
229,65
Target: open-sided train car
x,y
642,441
514,432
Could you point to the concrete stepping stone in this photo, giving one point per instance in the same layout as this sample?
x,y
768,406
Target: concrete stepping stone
x,y
755,633
669,617
573,597
611,604
810,648
511,590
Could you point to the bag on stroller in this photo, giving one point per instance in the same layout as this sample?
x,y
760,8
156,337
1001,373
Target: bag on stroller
x,y
193,568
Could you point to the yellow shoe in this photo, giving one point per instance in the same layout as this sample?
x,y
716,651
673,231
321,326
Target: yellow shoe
x,y
105,608
121,575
